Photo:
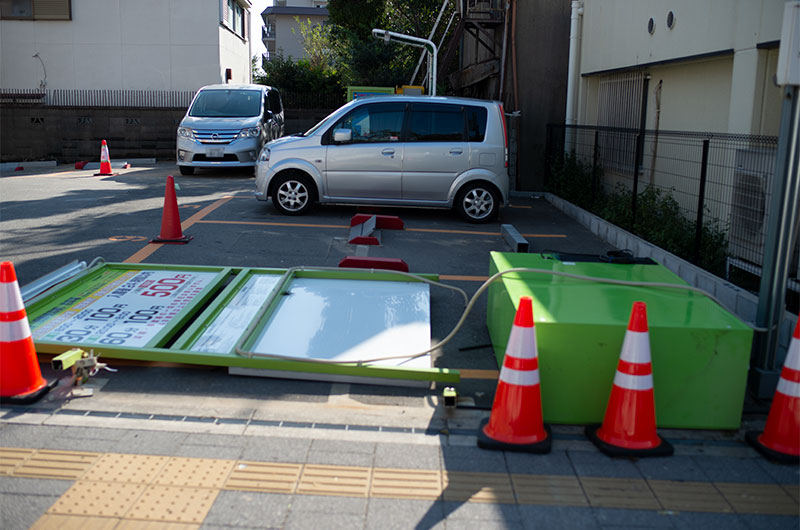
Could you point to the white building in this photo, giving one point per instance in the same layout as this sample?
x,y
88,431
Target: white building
x,y
123,44
281,32
710,64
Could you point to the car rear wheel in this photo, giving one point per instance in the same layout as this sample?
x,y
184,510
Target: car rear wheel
x,y
186,170
293,194
477,203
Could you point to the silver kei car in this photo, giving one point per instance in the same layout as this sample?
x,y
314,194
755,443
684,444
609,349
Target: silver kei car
x,y
393,150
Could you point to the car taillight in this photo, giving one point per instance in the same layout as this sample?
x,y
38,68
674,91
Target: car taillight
x,y
505,132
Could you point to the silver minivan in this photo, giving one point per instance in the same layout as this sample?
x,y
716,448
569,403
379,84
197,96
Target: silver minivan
x,y
227,125
394,150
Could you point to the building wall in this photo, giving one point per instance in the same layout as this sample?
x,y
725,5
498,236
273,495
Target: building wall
x,y
119,44
288,39
715,65
234,53
542,53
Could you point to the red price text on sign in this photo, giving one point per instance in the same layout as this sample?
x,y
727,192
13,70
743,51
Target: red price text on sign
x,y
165,286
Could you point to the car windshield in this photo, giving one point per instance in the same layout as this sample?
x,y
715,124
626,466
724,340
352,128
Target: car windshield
x,y
316,127
226,104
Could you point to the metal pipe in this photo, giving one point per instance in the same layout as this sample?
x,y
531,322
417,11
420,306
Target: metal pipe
x,y
50,279
435,25
419,43
573,70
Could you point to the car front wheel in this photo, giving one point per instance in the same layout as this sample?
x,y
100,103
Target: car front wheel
x,y
293,194
477,203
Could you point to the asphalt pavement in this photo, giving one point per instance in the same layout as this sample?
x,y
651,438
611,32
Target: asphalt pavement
x,y
194,447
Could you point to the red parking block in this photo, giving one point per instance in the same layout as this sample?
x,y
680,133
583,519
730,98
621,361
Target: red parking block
x,y
358,262
382,222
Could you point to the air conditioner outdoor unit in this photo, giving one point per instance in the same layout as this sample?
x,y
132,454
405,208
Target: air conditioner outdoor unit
x,y
752,185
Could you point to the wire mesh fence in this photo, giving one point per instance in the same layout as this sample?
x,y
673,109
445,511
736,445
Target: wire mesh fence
x,y
175,99
702,196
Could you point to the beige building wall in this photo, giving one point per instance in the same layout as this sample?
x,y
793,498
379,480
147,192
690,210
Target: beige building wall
x,y
715,64
123,44
288,39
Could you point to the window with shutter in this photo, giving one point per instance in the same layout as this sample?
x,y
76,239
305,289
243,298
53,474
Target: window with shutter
x,y
36,9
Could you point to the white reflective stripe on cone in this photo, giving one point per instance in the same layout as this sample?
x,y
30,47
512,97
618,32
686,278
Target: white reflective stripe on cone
x,y
15,330
636,347
633,382
10,299
793,355
788,388
519,377
522,343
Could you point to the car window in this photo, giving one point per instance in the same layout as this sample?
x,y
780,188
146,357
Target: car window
x,y
226,104
374,123
476,123
274,101
436,123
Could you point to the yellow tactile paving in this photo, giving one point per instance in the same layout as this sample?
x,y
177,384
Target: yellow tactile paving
x,y
164,493
136,469
173,504
264,476
334,480
126,524
103,499
74,522
195,472
477,487
759,498
11,458
689,496
406,484
552,490
67,465
631,494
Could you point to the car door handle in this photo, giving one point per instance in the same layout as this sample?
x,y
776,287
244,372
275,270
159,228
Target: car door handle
x,y
388,152
456,151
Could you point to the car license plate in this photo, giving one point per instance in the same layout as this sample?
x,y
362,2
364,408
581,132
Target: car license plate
x,y
215,153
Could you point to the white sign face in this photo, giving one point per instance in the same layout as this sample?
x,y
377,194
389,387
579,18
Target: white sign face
x,y
351,320
228,326
128,311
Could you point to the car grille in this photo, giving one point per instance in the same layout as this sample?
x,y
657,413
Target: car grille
x,y
226,158
215,136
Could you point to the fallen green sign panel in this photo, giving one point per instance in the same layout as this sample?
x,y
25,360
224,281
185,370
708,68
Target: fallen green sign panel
x,y
700,352
323,323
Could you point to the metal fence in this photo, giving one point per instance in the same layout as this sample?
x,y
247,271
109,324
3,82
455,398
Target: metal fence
x,y
175,99
719,183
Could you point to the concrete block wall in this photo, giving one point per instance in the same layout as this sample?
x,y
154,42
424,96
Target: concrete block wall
x,y
32,132
738,301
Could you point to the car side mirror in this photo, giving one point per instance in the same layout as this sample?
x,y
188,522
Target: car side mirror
x,y
342,135
269,115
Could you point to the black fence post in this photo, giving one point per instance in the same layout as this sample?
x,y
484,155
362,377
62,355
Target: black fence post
x,y
635,194
701,197
595,154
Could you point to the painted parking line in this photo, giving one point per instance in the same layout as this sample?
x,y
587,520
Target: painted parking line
x,y
147,251
112,488
407,229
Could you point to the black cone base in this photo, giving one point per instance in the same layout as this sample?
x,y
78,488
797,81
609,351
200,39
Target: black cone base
x,y
180,241
663,449
775,456
484,442
32,397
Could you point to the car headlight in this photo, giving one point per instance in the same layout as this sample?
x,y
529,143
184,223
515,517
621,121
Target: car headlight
x,y
186,132
249,132
264,156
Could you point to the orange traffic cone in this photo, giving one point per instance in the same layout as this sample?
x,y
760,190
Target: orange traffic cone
x,y
105,162
21,379
516,421
170,220
629,425
780,440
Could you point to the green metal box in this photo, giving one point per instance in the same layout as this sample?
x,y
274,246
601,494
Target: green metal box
x,y
700,352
